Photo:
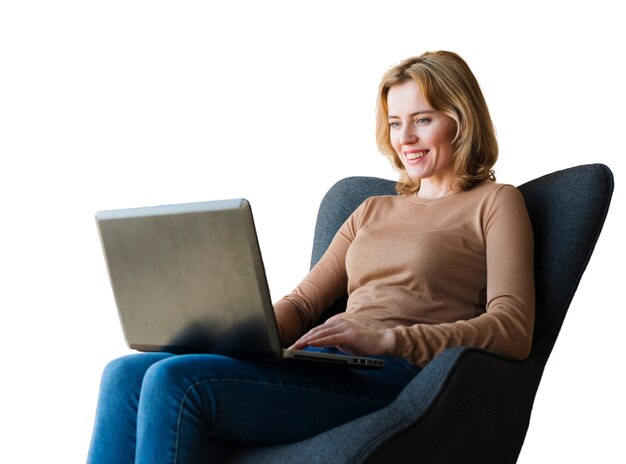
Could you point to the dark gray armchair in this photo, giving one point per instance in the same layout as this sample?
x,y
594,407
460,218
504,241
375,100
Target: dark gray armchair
x,y
468,405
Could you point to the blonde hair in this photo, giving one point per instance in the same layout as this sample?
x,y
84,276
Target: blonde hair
x,y
450,87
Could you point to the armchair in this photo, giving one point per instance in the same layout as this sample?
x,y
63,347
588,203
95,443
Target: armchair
x,y
467,405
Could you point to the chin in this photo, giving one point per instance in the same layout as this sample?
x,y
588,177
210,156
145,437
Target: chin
x,y
416,177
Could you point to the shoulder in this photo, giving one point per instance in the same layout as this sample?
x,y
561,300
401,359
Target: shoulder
x,y
376,207
508,196
492,194
502,203
380,202
491,188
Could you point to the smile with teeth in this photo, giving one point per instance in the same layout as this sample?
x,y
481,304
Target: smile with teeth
x,y
416,155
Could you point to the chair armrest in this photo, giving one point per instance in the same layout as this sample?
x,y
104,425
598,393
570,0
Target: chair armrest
x,y
473,406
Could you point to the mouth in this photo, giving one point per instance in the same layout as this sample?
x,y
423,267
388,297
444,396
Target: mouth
x,y
415,154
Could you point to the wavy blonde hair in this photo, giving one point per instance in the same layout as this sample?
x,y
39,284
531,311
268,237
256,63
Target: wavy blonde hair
x,y
452,89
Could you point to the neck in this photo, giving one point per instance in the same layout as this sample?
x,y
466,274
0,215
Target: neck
x,y
431,192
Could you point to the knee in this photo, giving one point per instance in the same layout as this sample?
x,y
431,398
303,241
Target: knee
x,y
179,375
128,371
164,375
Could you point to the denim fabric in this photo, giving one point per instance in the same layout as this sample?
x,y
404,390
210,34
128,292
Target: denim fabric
x,y
161,408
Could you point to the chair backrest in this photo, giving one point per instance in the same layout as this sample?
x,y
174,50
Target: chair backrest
x,y
567,209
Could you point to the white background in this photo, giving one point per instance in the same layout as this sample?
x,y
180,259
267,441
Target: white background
x,y
127,103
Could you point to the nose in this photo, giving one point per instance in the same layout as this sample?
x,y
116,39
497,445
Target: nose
x,y
408,135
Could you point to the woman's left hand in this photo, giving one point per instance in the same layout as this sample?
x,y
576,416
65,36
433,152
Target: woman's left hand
x,y
350,336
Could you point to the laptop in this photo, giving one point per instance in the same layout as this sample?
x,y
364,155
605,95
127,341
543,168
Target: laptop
x,y
189,278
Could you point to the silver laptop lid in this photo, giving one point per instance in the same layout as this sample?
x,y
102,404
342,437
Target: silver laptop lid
x,y
189,278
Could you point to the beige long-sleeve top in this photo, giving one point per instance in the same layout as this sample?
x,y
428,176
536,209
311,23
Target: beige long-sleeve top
x,y
455,271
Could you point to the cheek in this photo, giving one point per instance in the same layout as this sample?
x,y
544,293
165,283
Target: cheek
x,y
398,160
394,142
444,138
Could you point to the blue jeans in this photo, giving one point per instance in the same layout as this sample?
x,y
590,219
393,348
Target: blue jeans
x,y
162,408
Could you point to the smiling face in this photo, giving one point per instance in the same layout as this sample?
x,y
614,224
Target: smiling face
x,y
421,137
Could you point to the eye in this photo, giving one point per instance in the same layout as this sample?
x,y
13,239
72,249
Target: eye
x,y
422,120
394,124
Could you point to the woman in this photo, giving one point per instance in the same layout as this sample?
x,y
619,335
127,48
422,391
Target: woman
x,y
447,262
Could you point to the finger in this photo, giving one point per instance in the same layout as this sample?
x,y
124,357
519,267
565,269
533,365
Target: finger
x,y
342,333
315,338
320,335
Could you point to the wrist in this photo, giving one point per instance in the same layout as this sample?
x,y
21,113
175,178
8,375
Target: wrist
x,y
389,342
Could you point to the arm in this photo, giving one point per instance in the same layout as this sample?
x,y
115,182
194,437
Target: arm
x,y
297,312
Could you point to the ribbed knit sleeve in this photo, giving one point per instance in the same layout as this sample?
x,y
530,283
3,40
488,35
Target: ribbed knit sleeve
x,y
298,311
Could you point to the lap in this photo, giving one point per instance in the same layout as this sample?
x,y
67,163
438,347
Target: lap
x,y
251,402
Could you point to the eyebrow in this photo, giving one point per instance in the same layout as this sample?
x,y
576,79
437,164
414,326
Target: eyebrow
x,y
391,116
